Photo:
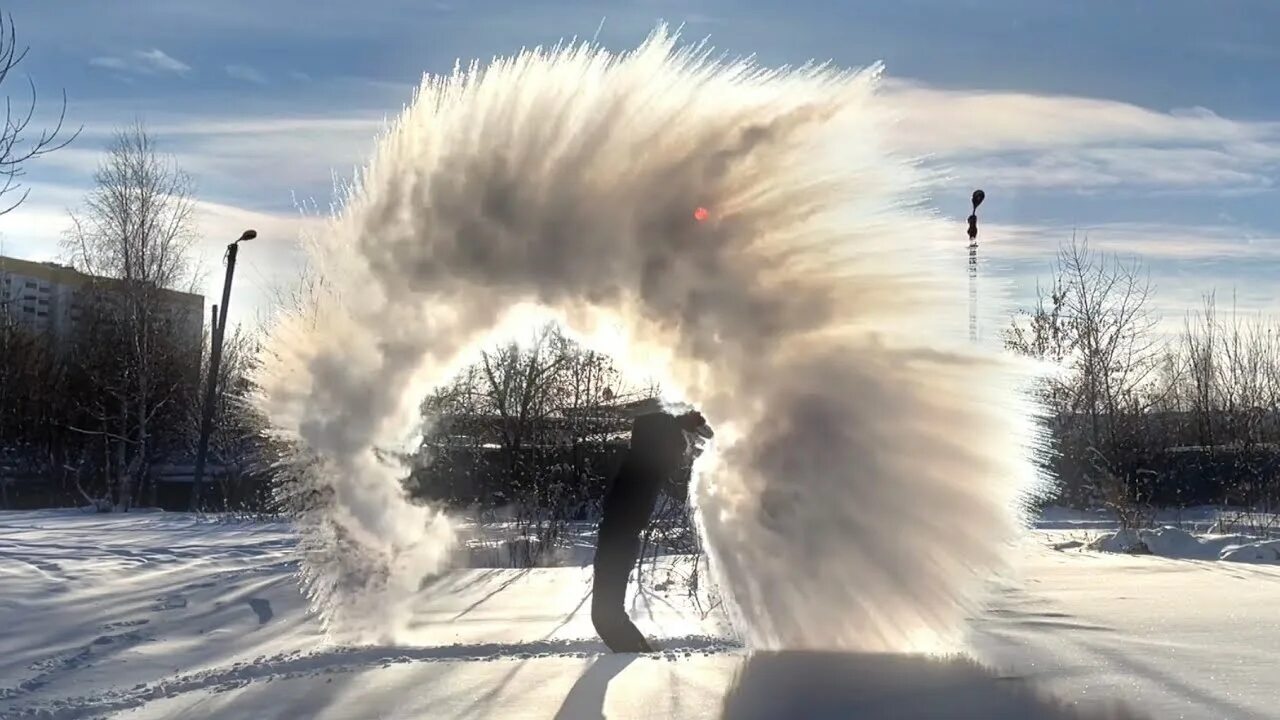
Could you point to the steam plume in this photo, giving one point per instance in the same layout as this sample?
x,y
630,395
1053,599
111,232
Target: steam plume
x,y
867,460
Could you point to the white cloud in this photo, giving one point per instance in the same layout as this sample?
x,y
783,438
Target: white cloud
x,y
266,159
34,229
958,121
143,62
160,61
1175,169
271,158
1150,241
1042,141
246,73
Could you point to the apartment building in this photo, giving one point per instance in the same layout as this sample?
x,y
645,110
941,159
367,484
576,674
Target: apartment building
x,y
50,298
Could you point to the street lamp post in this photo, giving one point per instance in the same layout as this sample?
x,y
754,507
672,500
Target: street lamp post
x,y
978,197
215,360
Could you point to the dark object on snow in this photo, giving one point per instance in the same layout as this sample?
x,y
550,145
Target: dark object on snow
x,y
659,448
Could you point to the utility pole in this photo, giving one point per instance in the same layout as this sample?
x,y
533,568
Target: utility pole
x,y
978,197
215,360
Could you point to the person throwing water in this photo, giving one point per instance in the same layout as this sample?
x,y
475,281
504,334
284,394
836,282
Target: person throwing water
x,y
660,448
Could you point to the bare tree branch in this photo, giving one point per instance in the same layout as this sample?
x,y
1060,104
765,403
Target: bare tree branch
x,y
15,148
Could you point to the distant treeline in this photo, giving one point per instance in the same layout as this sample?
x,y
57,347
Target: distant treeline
x,y
1143,416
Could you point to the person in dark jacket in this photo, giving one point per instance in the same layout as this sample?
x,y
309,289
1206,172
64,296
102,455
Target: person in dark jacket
x,y
659,451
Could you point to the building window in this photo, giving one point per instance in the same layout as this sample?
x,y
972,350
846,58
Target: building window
x,y
31,284
42,313
43,301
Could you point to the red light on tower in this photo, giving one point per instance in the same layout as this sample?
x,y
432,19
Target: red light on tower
x,y
701,214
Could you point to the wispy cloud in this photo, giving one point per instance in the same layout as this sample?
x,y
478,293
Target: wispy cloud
x,y
143,62
1200,170
264,162
246,73
957,121
1155,242
1044,141
280,151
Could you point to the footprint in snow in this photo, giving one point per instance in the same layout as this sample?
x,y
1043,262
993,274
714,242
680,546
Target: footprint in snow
x,y
169,602
125,624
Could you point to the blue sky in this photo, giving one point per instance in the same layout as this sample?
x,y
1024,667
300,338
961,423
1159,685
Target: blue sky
x,y
1154,126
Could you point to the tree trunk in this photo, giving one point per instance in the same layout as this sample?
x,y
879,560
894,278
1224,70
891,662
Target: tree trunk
x,y
124,475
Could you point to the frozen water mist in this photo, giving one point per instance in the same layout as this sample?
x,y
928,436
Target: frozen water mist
x,y
868,461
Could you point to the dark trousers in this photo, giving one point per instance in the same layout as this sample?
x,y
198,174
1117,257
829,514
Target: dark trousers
x,y
615,556
625,513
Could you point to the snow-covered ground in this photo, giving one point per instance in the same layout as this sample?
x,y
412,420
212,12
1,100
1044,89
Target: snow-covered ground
x,y
159,615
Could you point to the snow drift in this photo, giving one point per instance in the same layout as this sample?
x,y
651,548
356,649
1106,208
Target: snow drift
x,y
1173,542
742,234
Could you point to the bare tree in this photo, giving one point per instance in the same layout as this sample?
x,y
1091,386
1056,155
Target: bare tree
x,y
548,395
138,222
1096,324
16,147
1200,356
1230,366
1112,332
1042,333
136,234
519,383
1249,355
527,428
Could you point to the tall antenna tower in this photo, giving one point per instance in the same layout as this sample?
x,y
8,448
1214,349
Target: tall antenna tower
x,y
978,197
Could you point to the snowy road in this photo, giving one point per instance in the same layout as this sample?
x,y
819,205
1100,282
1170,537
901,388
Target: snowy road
x,y
161,615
